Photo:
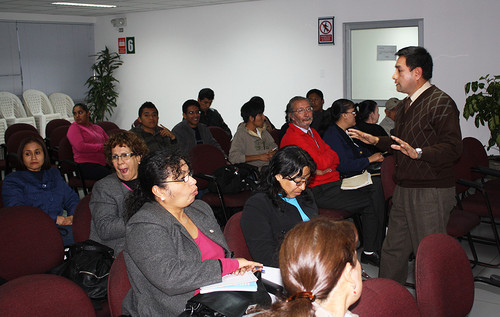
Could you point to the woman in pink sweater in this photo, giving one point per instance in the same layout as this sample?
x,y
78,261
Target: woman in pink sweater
x,y
87,140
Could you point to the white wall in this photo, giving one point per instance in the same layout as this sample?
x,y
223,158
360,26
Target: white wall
x,y
269,48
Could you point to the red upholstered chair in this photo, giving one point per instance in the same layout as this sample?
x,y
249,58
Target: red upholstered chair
x,y
44,295
235,238
276,136
18,127
53,124
54,138
222,138
29,242
383,297
483,203
460,223
443,277
478,158
205,159
82,219
107,126
69,167
118,285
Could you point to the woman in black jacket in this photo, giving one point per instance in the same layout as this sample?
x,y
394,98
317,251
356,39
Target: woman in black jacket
x,y
282,202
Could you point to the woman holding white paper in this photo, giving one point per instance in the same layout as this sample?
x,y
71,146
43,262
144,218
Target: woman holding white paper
x,y
174,244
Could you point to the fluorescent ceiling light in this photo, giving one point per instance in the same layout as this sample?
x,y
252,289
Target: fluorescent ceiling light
x,y
84,4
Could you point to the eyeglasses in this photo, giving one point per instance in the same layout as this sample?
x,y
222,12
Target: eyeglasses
x,y
302,110
184,179
194,112
299,182
353,112
124,156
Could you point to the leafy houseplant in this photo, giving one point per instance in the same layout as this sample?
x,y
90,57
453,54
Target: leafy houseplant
x,y
484,103
101,96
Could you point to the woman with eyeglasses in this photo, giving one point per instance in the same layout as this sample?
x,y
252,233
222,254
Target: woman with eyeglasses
x,y
124,152
282,202
174,244
36,184
87,141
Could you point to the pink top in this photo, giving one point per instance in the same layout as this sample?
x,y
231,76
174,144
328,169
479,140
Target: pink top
x,y
87,143
211,250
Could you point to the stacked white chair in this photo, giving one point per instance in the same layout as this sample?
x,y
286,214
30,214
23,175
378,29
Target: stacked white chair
x,y
63,104
12,110
38,105
3,128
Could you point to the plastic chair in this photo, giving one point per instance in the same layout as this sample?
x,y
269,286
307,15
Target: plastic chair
x,y
38,105
221,137
11,108
235,238
44,295
82,219
70,168
118,285
108,126
205,159
444,283
3,128
62,104
29,242
383,297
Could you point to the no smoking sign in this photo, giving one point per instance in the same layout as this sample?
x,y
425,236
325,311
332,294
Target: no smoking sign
x,y
325,30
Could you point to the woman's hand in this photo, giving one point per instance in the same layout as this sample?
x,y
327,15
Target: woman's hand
x,y
245,265
364,137
377,157
64,221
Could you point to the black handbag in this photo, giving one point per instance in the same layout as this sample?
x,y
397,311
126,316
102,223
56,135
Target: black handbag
x,y
87,264
227,304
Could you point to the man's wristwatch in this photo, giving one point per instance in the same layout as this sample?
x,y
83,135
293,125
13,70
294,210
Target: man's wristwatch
x,y
419,153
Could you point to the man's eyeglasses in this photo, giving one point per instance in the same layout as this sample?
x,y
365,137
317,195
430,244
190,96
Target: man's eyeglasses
x,y
299,182
124,156
302,110
184,179
194,112
353,112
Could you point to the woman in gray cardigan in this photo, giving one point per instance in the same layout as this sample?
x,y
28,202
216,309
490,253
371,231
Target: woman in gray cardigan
x,y
107,204
174,245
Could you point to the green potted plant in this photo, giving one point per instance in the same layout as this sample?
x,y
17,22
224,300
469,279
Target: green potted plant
x,y
101,96
483,102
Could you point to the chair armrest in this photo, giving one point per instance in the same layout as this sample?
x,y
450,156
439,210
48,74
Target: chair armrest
x,y
486,171
273,288
206,177
472,184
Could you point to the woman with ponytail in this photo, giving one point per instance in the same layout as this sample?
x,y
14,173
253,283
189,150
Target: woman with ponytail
x,y
320,270
173,243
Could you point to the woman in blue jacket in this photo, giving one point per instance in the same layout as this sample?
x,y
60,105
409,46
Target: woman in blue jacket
x,y
36,184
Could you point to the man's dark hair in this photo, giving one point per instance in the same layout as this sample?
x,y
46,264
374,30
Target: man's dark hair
x,y
188,103
147,105
251,109
315,91
206,93
417,56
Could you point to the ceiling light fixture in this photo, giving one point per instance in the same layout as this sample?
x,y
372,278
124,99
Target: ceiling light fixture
x,y
84,4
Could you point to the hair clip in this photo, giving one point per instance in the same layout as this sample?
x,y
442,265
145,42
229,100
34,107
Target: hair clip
x,y
298,295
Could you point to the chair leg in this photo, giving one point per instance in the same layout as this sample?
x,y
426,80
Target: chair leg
x,y
472,249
